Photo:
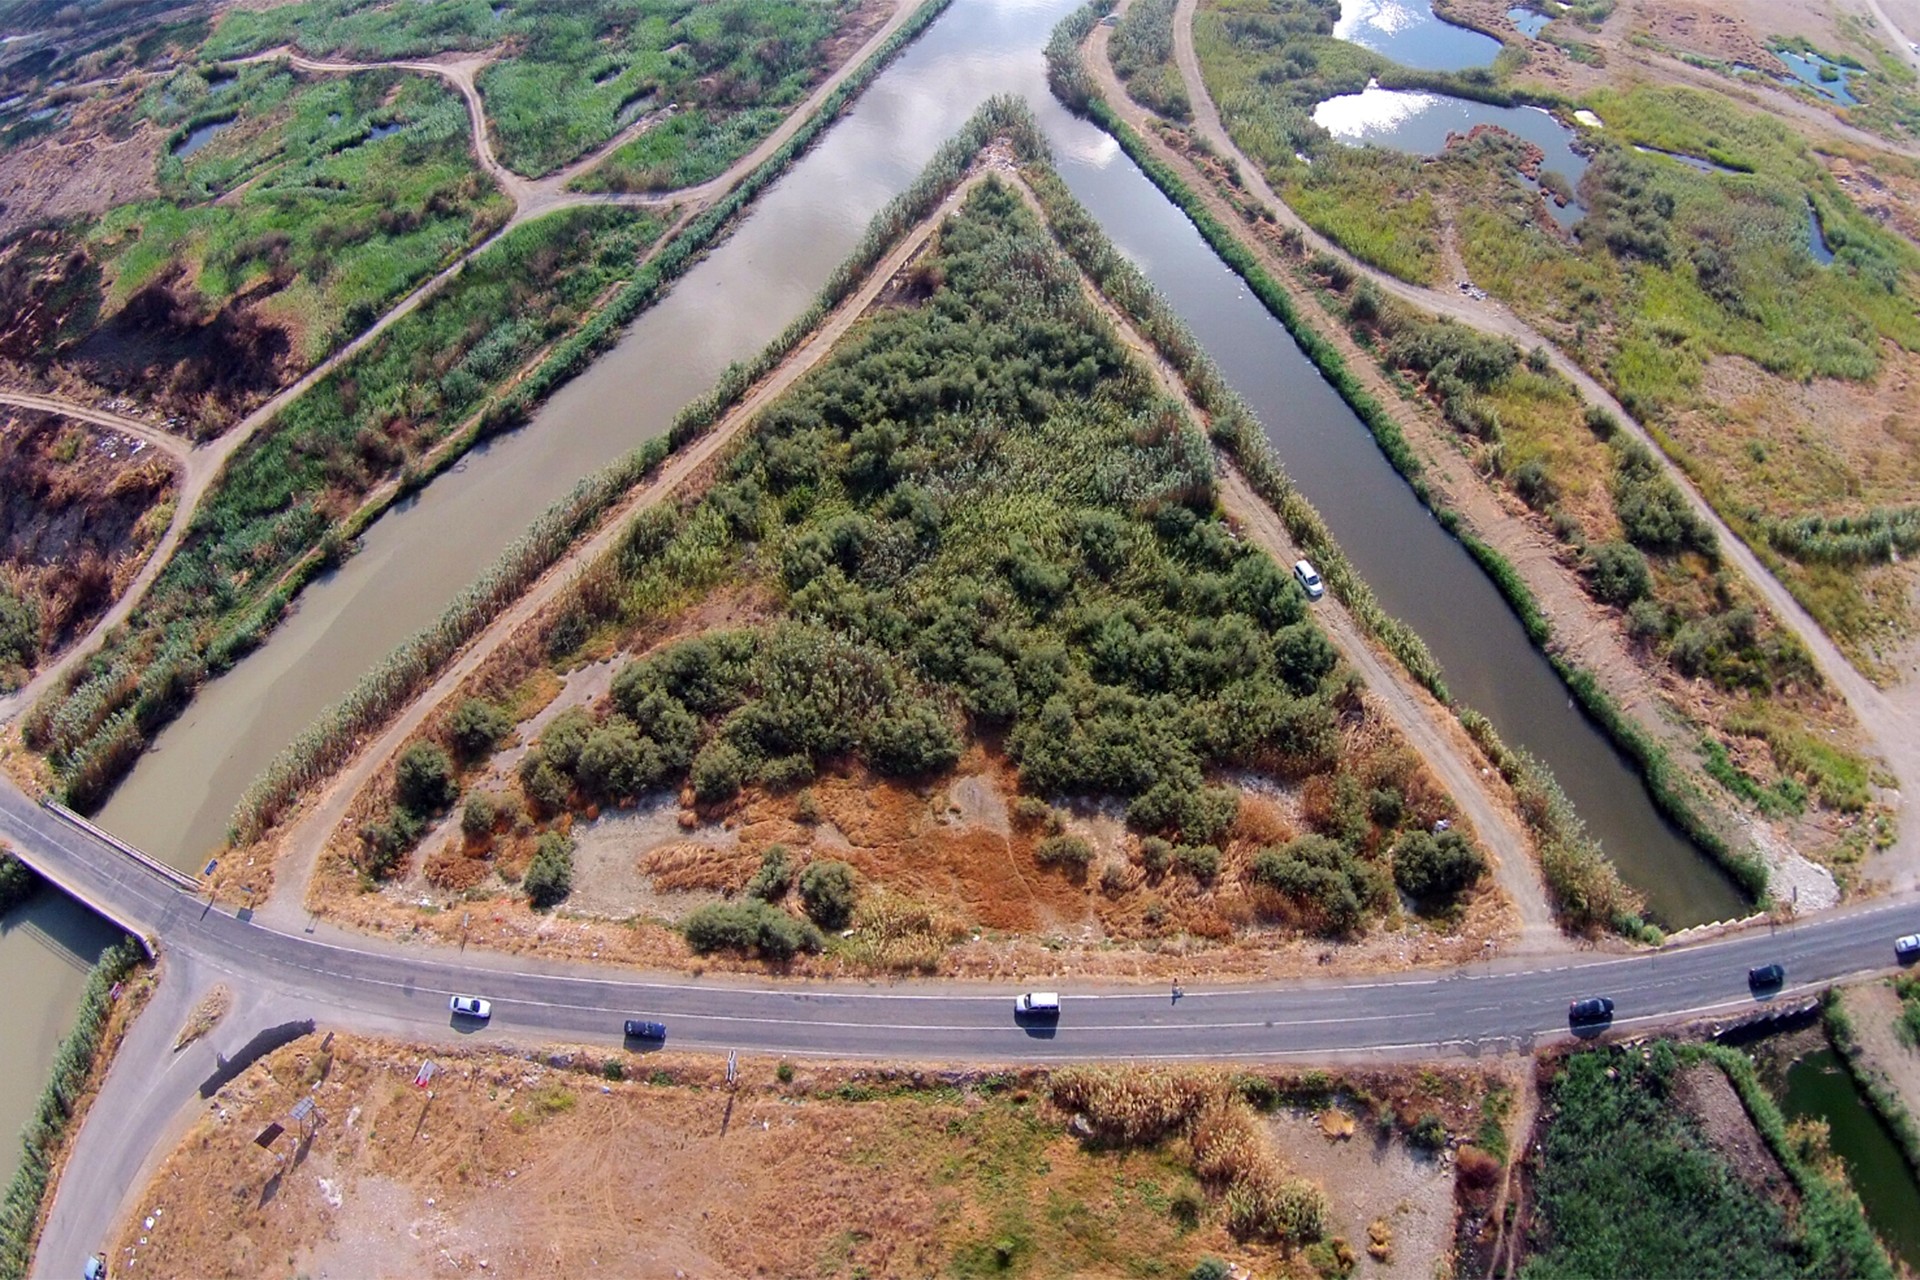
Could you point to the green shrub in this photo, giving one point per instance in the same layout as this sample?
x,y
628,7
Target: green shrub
x,y
1653,511
1201,861
1618,573
475,727
829,892
1156,855
423,780
775,876
1210,1269
549,877
17,882
1436,869
1320,877
478,815
750,926
615,763
1070,852
719,771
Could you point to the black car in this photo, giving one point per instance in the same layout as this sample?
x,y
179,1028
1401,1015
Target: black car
x,y
1767,976
1592,1009
639,1030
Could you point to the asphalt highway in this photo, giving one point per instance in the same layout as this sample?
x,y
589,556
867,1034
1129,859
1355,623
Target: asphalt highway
x,y
1503,1004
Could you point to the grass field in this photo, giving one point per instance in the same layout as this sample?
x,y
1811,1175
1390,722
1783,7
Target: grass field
x,y
572,75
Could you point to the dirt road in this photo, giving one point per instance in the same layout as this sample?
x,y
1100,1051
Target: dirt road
x,y
205,462
1890,717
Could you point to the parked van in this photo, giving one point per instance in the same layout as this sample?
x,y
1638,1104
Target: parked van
x,y
1039,1004
1309,579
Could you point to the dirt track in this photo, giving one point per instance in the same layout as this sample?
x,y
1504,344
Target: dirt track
x,y
204,463
1891,718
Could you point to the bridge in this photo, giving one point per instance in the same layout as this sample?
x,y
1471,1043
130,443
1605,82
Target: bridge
x,y
384,986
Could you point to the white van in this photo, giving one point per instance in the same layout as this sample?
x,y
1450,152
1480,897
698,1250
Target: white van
x,y
1040,1004
1308,579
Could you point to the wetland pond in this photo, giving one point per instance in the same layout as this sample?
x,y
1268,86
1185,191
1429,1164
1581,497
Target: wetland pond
x,y
1818,1086
1410,33
1420,122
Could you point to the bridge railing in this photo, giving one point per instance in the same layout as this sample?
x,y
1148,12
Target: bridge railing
x,y
179,878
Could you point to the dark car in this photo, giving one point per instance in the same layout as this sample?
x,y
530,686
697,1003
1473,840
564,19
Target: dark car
x,y
1767,976
1907,948
1592,1009
637,1029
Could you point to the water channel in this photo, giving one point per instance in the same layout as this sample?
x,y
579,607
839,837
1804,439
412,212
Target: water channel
x,y
177,801
1818,1086
47,944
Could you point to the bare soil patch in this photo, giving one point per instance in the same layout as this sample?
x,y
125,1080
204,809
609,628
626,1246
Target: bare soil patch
x,y
1376,1179
81,508
510,1165
94,162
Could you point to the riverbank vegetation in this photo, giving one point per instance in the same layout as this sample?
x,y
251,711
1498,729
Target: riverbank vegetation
x,y
1698,288
570,76
979,528
1587,891
94,727
1672,1160
289,213
1724,664
59,1105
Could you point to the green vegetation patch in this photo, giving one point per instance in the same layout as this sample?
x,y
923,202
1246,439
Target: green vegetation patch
x,y
981,517
288,491
1142,53
573,73
1632,1182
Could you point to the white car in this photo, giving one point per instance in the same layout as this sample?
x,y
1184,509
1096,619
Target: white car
x,y
471,1007
1309,579
1907,948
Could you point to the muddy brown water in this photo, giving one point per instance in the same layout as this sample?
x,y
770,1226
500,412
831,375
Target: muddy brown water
x,y
178,800
47,944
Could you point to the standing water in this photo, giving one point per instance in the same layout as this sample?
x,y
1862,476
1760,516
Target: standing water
x,y
1409,32
1819,1087
177,801
47,945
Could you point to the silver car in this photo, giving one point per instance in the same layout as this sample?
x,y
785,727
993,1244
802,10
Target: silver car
x,y
471,1007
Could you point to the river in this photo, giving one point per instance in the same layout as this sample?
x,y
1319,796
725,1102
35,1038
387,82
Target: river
x,y
177,801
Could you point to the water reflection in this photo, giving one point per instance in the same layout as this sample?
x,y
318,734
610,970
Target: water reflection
x,y
1408,32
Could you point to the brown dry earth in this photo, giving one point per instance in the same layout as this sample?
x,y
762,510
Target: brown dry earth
x,y
510,1167
1590,635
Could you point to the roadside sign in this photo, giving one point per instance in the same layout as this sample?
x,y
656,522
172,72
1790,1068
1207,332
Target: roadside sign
x,y
211,864
423,1076
268,1135
733,1065
301,1110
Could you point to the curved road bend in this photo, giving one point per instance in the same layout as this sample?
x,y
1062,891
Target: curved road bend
x,y
380,986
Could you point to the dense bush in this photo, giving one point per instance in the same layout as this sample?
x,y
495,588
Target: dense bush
x,y
478,815
1070,852
775,876
750,926
17,882
549,877
829,892
1323,880
1618,573
1652,510
423,780
1435,869
475,727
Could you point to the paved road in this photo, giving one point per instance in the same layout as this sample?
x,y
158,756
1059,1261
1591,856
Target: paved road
x,y
377,985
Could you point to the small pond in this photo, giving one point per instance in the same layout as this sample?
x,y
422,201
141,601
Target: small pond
x,y
1828,79
1420,122
1531,22
1818,1086
201,135
379,131
1409,32
1692,162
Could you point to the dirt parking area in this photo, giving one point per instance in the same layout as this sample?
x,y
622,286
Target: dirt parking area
x,y
508,1165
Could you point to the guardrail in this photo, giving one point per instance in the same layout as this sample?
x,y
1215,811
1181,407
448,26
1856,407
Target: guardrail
x,y
179,878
